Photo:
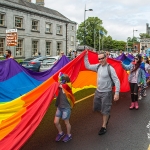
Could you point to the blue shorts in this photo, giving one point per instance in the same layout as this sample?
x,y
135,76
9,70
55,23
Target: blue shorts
x,y
63,113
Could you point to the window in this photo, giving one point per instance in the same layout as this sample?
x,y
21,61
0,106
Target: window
x,y
72,27
2,46
35,25
48,48
59,29
34,47
2,19
72,40
18,22
48,27
19,48
58,47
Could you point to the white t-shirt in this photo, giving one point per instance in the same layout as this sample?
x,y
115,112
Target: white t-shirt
x,y
147,67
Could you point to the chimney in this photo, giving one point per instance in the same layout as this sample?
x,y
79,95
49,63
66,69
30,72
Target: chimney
x,y
40,2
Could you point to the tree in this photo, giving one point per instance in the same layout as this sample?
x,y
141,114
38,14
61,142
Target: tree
x,y
108,43
92,28
144,35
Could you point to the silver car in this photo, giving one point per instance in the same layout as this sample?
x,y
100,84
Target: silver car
x,y
48,63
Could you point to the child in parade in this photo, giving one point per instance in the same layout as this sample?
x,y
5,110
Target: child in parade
x,y
64,103
136,75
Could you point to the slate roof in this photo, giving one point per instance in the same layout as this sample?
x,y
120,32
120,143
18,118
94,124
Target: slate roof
x,y
41,8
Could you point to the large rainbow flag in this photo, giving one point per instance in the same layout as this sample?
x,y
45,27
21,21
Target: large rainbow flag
x,y
15,80
125,59
19,117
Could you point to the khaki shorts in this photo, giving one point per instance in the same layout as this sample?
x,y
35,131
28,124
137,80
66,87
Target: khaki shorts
x,y
102,102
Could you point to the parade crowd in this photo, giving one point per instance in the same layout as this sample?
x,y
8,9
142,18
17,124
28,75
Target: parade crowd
x,y
138,78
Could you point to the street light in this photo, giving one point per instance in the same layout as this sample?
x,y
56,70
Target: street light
x,y
84,23
133,36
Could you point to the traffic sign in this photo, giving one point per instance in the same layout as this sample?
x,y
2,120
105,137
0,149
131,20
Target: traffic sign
x,y
11,37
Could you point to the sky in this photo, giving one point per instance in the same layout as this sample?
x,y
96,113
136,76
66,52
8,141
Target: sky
x,y
120,17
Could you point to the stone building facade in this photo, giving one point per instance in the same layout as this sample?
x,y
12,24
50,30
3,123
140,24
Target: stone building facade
x,y
39,29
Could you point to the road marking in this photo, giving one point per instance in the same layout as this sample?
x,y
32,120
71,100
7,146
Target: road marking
x,y
83,98
148,148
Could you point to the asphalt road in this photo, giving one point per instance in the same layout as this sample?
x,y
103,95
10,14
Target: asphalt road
x,y
127,129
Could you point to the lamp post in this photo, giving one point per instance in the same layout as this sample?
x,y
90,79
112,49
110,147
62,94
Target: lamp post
x,y
84,23
133,36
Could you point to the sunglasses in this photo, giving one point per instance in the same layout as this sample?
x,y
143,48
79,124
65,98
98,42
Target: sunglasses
x,y
101,58
136,58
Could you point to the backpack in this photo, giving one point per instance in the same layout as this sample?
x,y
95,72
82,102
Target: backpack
x,y
109,72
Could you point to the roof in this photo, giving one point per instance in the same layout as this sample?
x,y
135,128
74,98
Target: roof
x,y
41,8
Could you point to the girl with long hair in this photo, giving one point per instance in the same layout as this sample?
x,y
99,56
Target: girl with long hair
x,y
136,76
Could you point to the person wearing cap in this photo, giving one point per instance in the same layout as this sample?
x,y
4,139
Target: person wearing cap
x,y
136,76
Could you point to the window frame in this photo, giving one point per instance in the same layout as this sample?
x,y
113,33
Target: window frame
x,y
35,25
50,47
72,28
22,48
3,43
61,29
21,22
33,52
58,50
50,25
4,19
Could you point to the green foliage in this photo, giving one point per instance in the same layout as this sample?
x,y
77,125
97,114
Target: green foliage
x,y
19,60
144,35
2,58
90,29
93,26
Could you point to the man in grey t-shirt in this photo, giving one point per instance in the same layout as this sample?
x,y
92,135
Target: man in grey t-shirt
x,y
103,93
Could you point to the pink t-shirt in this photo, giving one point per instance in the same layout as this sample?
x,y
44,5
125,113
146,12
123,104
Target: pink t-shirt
x,y
135,76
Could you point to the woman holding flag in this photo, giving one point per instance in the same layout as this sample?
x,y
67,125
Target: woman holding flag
x,y
136,76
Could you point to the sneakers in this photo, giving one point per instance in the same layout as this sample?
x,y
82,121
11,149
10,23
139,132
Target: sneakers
x,y
136,105
67,138
102,131
132,106
140,97
59,137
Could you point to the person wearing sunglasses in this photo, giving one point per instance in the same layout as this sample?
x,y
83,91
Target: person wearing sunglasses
x,y
103,94
136,76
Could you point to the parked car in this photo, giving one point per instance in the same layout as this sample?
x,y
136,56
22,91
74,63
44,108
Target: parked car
x,y
114,55
69,57
33,63
48,63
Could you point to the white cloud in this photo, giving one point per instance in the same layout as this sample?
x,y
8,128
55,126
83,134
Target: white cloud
x,y
119,17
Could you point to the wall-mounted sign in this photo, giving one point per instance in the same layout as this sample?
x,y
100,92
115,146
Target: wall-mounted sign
x,y
11,37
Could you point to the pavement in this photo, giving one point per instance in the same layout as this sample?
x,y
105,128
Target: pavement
x,y
127,129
